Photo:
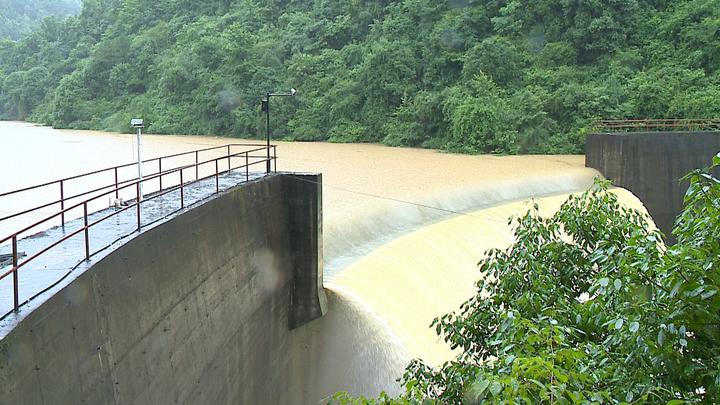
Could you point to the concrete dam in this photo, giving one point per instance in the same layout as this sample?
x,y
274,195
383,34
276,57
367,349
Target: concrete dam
x,y
197,310
233,314
254,296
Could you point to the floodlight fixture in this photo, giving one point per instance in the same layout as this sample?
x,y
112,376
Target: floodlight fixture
x,y
265,107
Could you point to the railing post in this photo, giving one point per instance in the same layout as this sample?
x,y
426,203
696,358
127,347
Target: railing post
x,y
87,231
228,156
274,158
62,202
182,190
16,300
247,166
217,177
197,163
117,192
137,187
160,172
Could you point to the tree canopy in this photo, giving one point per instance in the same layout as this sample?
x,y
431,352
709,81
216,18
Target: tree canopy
x,y
20,17
476,76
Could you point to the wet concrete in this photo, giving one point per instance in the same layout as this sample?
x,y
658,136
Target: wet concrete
x,y
652,166
56,264
197,309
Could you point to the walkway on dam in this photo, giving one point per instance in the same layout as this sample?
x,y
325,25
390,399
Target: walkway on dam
x,y
121,223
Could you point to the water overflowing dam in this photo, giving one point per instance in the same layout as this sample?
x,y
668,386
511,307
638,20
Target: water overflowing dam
x,y
382,304
403,232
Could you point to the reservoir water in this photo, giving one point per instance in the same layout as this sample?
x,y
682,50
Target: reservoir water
x,y
404,230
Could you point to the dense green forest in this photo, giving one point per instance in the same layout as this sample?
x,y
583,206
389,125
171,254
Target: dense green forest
x,y
502,76
21,17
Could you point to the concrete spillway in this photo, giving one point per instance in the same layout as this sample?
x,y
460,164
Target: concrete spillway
x,y
381,305
221,303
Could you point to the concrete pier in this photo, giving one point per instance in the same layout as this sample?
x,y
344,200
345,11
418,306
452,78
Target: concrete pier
x,y
651,165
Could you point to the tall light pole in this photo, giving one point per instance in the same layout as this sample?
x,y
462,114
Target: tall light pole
x,y
266,109
139,124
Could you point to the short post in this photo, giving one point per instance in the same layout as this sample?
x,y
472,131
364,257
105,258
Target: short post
x,y
182,190
137,190
275,158
62,202
228,156
160,172
117,192
197,165
247,166
217,177
16,300
87,232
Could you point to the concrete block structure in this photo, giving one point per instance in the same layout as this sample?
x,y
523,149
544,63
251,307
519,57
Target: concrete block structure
x,y
651,165
197,310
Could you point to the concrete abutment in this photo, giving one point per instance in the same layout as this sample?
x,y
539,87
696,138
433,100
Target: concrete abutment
x,y
196,310
651,165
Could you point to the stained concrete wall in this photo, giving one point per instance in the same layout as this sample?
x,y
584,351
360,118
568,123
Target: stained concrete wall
x,y
198,310
651,164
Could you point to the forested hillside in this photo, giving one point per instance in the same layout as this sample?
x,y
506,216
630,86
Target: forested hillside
x,y
502,76
20,17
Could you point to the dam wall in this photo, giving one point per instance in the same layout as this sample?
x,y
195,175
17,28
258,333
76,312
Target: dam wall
x,y
651,165
197,310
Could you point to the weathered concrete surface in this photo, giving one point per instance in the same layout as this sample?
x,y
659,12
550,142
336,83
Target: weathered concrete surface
x,y
304,216
69,257
195,311
651,164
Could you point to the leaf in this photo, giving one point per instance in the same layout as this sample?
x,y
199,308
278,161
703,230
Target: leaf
x,y
661,337
634,326
481,387
604,282
618,284
708,294
619,324
495,388
683,342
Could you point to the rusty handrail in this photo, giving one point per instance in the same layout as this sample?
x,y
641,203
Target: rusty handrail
x,y
61,182
658,124
246,155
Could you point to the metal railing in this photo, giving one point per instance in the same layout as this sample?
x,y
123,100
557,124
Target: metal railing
x,y
669,124
257,156
62,183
